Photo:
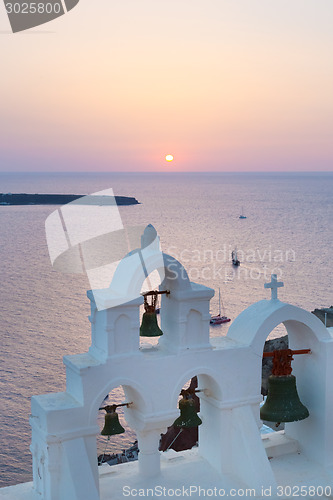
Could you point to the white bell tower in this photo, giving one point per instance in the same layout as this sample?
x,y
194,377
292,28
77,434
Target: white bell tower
x,y
231,451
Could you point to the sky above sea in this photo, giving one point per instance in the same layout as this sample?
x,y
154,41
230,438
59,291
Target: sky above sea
x,y
222,86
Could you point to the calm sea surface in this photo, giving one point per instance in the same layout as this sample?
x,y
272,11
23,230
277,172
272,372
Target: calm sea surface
x,y
44,313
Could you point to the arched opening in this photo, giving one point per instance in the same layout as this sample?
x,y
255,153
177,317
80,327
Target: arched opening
x,y
204,390
180,438
119,447
305,331
276,340
152,282
301,404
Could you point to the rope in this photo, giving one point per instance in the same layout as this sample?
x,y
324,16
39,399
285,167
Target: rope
x,y
107,442
174,440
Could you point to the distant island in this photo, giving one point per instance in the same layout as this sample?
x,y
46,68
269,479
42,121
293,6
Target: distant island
x,y
62,199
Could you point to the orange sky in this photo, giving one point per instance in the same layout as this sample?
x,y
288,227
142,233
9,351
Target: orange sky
x,y
226,86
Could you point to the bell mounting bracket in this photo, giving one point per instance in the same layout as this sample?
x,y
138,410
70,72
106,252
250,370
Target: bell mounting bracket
x,y
156,292
153,294
112,408
189,393
282,359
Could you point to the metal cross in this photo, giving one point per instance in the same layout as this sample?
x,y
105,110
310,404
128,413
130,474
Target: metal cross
x,y
274,285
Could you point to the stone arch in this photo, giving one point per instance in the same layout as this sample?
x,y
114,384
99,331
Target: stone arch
x,y
312,371
130,274
176,277
207,379
133,392
253,325
133,269
305,331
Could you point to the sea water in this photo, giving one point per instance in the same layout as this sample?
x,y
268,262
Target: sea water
x,y
44,313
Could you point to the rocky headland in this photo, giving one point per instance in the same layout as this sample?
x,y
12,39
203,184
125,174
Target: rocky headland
x,y
62,199
325,312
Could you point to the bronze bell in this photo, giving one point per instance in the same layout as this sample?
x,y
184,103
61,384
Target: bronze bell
x,y
188,415
283,403
112,426
149,326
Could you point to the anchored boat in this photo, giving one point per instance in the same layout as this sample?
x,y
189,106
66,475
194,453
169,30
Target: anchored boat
x,y
242,216
234,258
219,318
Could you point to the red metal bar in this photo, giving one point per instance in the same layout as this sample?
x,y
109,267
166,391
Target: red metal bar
x,y
282,359
299,351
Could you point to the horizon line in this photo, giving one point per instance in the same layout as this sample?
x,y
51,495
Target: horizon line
x,y
167,172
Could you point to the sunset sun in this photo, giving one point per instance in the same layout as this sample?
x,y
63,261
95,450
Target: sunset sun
x,y
169,157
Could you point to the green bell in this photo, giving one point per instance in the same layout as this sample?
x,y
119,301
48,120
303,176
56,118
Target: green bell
x,y
283,403
149,326
188,415
112,426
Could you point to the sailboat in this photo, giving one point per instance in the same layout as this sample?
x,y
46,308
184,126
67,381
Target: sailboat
x,y
242,216
234,258
219,319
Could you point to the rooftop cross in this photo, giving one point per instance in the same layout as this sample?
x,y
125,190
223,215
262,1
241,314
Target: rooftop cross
x,y
274,285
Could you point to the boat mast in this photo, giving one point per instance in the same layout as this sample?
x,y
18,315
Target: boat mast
x,y
222,309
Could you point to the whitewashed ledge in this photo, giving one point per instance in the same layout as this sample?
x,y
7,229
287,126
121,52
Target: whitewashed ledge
x,y
188,470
